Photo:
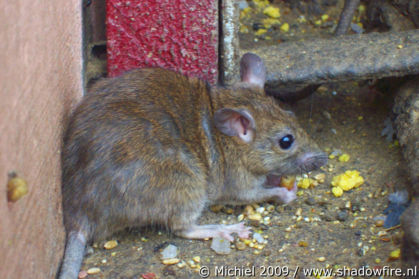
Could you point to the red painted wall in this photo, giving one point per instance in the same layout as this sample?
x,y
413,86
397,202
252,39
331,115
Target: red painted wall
x,y
175,34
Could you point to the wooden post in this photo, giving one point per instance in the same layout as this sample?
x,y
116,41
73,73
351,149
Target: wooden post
x,y
40,80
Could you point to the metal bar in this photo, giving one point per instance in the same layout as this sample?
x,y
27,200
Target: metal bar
x,y
343,58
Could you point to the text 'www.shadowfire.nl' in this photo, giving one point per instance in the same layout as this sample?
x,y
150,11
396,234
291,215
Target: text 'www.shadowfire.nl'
x,y
284,271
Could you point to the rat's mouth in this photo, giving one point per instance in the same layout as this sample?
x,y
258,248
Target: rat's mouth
x,y
274,180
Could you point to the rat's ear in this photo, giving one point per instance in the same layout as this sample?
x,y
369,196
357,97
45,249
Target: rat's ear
x,y
252,70
235,122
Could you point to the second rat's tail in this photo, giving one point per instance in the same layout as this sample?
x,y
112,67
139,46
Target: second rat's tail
x,y
73,257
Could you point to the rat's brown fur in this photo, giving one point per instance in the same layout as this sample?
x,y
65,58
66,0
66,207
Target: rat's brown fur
x,y
150,147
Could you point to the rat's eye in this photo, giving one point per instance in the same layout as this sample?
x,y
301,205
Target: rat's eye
x,y
286,141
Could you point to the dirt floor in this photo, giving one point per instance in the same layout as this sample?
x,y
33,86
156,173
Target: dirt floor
x,y
318,230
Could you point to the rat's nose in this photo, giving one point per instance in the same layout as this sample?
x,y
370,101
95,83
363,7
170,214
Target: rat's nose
x,y
311,161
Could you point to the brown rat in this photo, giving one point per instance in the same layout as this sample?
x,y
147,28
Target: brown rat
x,y
153,147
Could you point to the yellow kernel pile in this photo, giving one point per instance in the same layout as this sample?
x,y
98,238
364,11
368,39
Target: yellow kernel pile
x,y
346,181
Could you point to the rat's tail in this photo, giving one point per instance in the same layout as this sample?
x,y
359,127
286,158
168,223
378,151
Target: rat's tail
x,y
73,257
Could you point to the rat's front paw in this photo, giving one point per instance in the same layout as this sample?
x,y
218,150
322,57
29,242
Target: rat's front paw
x,y
284,195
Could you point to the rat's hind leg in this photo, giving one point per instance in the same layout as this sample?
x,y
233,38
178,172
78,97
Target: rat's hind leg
x,y
210,231
184,202
184,224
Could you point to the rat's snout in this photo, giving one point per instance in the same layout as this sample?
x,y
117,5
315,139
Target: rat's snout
x,y
310,161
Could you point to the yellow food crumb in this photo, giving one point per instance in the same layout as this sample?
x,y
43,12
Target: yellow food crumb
x,y
361,8
360,117
302,19
170,261
396,143
110,244
337,192
320,177
348,180
272,12
325,17
318,22
303,243
261,32
377,260
16,188
182,264
321,259
344,158
287,181
93,270
255,217
268,22
285,27
395,255
245,12
300,193
244,29
261,3
304,183
332,156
